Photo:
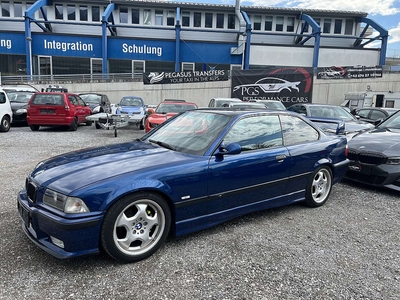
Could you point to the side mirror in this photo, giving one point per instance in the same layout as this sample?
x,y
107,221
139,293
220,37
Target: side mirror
x,y
150,111
232,148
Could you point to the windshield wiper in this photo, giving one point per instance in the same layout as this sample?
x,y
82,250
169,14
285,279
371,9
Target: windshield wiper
x,y
162,144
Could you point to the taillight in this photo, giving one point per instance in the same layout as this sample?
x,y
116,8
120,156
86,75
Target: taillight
x,y
346,151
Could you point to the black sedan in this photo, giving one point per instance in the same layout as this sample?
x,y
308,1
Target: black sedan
x,y
373,115
19,102
375,155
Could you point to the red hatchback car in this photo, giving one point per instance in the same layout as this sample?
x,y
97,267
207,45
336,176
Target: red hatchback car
x,y
166,110
57,109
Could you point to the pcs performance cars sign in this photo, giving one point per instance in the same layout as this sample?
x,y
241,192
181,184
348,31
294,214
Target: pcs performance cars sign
x,y
288,85
185,77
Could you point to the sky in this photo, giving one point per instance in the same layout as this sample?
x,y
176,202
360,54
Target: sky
x,y
385,12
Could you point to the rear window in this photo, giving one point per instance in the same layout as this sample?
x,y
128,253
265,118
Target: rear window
x,y
48,99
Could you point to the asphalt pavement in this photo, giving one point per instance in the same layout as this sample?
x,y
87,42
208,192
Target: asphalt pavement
x,y
346,249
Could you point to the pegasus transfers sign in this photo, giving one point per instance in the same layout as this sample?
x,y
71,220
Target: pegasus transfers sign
x,y
184,77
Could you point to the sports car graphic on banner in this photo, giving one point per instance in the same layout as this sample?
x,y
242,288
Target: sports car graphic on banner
x,y
354,72
288,85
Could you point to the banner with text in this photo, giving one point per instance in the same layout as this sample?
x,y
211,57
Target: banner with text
x,y
355,72
184,77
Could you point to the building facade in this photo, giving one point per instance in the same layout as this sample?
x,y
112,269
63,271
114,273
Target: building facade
x,y
46,38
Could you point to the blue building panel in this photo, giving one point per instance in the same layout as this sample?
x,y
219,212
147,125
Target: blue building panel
x,y
141,49
209,52
77,46
12,43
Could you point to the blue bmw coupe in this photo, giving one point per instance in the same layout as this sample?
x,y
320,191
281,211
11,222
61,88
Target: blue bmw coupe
x,y
197,170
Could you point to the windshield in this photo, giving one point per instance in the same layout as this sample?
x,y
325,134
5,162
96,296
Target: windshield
x,y
131,102
20,97
274,105
191,132
392,122
330,112
91,98
164,108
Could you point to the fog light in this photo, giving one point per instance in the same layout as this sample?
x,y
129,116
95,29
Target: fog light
x,y
57,242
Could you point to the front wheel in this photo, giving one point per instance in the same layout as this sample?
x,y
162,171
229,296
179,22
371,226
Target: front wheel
x,y
5,124
135,227
34,127
319,187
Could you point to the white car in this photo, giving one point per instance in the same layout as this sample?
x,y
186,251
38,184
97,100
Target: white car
x,y
271,85
5,112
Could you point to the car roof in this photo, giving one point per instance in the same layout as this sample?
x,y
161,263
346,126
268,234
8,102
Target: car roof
x,y
231,111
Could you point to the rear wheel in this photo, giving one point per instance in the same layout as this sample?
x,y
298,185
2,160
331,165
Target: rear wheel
x,y
89,123
135,227
34,127
319,187
74,125
5,124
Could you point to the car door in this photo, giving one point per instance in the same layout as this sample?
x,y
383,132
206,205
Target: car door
x,y
259,173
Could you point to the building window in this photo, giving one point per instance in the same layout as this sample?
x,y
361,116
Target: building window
x,y
231,21
197,19
123,15
135,16
389,103
327,26
187,66
5,9
290,24
279,24
349,27
171,18
305,27
185,18
268,23
83,13
220,20
147,17
257,22
17,9
338,27
71,12
138,67
95,13
59,12
318,21
208,20
159,17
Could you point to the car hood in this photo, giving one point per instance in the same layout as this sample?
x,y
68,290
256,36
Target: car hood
x,y
386,141
130,109
160,118
18,105
74,170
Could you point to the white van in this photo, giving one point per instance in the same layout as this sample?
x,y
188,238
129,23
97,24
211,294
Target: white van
x,y
5,112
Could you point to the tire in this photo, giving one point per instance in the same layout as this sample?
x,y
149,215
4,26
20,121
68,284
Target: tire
x,y
5,124
34,127
97,125
89,123
319,187
74,125
135,227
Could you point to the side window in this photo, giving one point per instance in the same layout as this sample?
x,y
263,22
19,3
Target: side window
x,y
377,115
81,102
298,109
363,113
296,131
73,100
257,132
211,104
2,98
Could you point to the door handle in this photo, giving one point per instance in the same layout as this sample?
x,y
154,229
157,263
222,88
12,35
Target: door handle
x,y
280,158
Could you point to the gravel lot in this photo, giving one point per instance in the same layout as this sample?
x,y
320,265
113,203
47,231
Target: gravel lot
x,y
346,249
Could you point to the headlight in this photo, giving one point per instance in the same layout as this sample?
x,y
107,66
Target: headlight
x,y
393,161
153,125
96,110
21,111
69,205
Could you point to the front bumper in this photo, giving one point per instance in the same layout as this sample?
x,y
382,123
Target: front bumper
x,y
79,235
377,175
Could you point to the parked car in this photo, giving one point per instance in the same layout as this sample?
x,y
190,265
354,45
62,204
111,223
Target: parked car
x,y
5,112
375,155
272,104
19,103
219,102
57,109
325,115
245,105
19,87
197,170
373,115
165,110
97,102
131,105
